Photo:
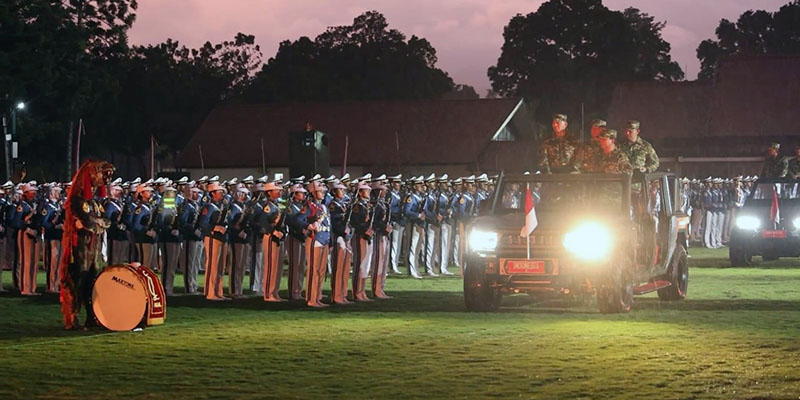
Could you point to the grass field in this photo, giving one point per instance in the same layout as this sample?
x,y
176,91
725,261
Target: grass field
x,y
737,336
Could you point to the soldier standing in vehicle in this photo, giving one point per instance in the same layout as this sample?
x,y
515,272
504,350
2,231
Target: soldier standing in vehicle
x,y
556,153
610,159
775,165
642,156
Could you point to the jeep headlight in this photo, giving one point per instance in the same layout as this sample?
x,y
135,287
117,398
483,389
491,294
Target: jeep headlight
x,y
796,223
748,222
589,241
482,240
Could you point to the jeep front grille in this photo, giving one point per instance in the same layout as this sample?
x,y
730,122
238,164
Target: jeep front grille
x,y
538,239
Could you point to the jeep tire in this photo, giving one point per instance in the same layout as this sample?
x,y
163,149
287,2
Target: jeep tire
x,y
678,276
479,295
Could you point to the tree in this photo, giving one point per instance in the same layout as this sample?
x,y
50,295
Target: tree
x,y
462,92
362,61
755,32
570,52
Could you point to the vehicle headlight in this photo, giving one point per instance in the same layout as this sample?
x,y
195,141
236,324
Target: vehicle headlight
x,y
749,222
483,240
796,223
590,241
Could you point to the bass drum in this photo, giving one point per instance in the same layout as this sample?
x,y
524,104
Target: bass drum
x,y
126,296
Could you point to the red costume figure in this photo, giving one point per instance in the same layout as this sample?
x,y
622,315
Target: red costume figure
x,y
84,225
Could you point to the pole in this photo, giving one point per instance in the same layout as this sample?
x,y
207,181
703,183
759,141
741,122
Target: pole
x,y
263,160
6,141
152,157
582,122
70,169
202,165
344,162
77,162
529,247
13,135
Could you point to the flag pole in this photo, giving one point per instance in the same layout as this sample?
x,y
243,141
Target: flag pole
x,y
202,165
529,247
344,161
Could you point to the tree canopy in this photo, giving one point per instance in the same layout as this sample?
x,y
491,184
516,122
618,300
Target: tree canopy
x,y
570,52
755,32
362,61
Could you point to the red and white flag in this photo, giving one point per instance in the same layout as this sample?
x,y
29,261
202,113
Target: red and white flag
x,y
775,211
530,214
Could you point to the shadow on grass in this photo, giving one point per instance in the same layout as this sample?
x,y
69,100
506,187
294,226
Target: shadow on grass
x,y
718,258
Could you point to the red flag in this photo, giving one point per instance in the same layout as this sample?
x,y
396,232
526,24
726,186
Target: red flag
x,y
530,214
775,211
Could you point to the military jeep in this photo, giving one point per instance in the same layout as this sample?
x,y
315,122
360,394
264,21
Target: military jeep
x,y
615,235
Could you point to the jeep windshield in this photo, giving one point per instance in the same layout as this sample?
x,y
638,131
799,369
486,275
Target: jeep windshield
x,y
564,192
788,191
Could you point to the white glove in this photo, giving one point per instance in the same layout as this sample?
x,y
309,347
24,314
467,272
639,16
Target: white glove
x,y
174,232
242,235
122,227
197,232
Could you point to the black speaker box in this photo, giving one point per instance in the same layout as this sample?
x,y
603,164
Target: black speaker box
x,y
308,154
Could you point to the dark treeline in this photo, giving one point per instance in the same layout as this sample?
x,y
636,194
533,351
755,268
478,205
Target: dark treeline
x,y
71,61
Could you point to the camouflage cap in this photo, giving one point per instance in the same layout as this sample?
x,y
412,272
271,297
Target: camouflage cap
x,y
632,124
775,145
608,133
562,117
599,122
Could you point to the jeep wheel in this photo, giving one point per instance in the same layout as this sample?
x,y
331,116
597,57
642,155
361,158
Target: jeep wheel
x,y
738,256
678,275
478,294
617,296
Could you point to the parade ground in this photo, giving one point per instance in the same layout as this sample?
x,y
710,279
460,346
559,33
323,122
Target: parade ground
x,y
734,337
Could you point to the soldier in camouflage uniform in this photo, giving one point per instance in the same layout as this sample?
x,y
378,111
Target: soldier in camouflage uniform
x,y
641,154
556,153
588,150
794,163
610,159
775,165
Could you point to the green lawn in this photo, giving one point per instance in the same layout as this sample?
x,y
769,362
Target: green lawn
x,y
737,336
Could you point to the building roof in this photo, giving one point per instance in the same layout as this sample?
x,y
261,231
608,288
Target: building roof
x,y
665,109
756,96
410,132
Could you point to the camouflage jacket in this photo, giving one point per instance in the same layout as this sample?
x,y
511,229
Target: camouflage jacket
x,y
775,167
584,153
641,154
794,166
615,162
555,155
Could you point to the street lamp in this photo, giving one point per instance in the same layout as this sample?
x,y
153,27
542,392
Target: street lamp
x,y
20,106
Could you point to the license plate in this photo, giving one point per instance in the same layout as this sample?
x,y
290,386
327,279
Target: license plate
x,y
770,234
525,266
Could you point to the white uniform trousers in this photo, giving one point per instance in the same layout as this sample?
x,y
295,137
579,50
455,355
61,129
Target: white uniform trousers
x,y
445,244
170,251
431,248
362,260
52,257
708,229
215,262
192,249
240,259
297,254
459,244
273,267
342,255
317,262
256,266
380,265
417,237
28,247
719,224
397,246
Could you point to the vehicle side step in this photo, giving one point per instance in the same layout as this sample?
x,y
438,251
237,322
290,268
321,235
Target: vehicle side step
x,y
651,286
